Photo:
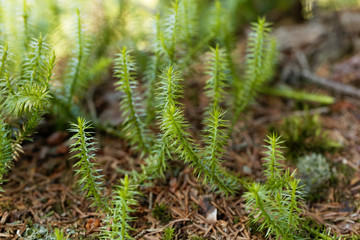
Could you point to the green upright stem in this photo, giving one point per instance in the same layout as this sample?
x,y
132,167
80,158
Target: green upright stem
x,y
75,77
3,60
26,24
260,204
133,114
37,59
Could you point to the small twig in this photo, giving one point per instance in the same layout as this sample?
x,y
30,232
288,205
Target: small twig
x,y
151,196
4,235
273,118
327,83
332,85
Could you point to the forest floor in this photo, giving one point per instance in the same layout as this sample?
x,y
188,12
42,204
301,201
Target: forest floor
x,y
40,188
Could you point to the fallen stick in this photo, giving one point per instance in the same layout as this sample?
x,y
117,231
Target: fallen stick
x,y
327,83
277,117
330,84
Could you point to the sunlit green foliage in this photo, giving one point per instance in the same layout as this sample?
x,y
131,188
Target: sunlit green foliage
x,y
120,211
130,104
59,234
217,82
84,148
151,73
184,31
75,78
260,59
25,97
275,205
6,150
174,127
31,93
298,95
169,233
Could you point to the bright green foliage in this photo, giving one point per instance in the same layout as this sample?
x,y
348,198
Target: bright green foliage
x,y
175,130
133,125
75,79
260,59
24,133
5,150
170,89
298,95
169,233
35,66
31,94
16,27
59,234
118,211
169,36
152,72
220,25
270,59
5,80
273,156
90,179
187,9
181,34
221,30
119,215
177,30
26,24
216,84
151,77
275,205
27,96
4,53
157,161
215,136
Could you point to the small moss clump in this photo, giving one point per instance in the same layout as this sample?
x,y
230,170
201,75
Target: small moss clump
x,y
303,135
314,170
169,233
37,232
162,213
59,234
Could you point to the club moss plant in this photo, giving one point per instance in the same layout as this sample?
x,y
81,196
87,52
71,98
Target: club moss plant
x,y
169,233
35,83
276,204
